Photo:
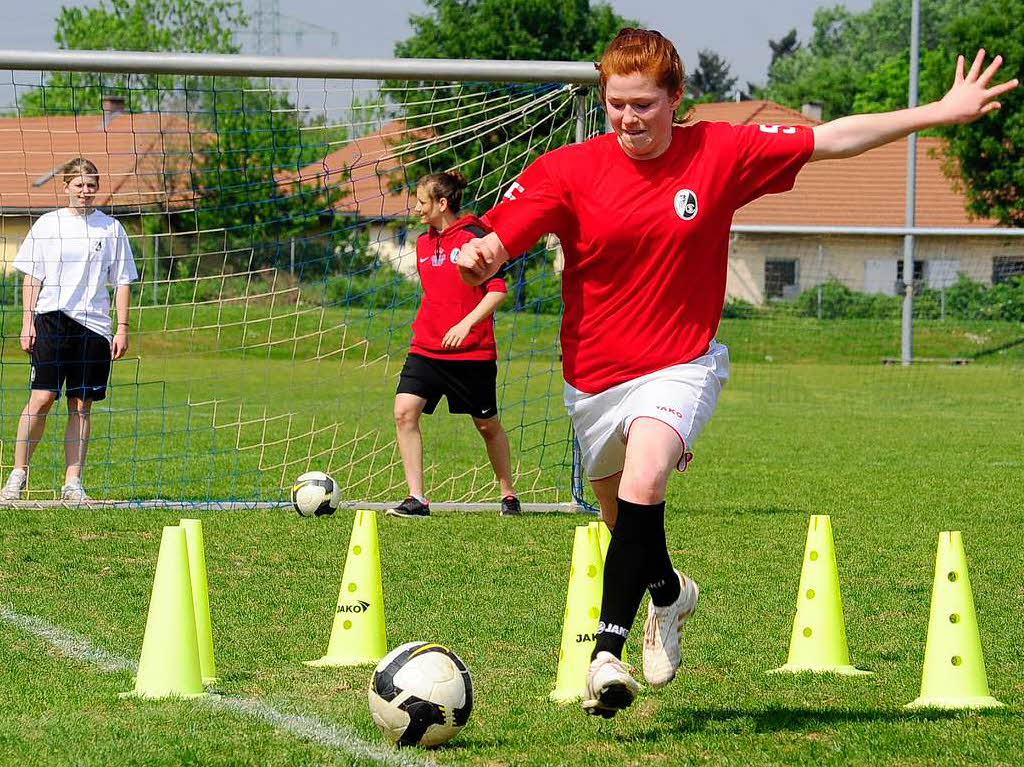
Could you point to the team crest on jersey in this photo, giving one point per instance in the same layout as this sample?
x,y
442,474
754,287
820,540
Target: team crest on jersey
x,y
454,255
686,204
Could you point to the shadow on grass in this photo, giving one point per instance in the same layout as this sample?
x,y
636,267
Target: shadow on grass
x,y
996,349
728,721
763,511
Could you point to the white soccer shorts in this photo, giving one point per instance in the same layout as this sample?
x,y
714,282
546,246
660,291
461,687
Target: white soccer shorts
x,y
682,396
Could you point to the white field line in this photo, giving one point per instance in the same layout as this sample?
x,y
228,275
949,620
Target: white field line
x,y
310,728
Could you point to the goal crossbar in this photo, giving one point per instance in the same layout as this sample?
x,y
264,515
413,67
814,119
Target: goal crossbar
x,y
477,70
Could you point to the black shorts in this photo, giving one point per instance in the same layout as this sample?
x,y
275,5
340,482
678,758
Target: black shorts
x,y
469,385
70,356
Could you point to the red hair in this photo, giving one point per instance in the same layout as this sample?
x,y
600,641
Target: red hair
x,y
646,52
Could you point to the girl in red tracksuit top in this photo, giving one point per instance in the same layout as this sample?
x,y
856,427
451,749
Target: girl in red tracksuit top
x,y
453,353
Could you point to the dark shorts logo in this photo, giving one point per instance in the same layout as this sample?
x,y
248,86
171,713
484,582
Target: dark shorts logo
x,y
686,204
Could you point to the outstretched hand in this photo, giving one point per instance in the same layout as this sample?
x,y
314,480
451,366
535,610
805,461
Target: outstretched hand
x,y
970,97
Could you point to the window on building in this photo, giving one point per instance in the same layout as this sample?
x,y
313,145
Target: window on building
x,y
780,279
1006,267
901,286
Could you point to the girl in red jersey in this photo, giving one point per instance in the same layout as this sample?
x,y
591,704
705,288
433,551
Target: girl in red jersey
x,y
453,353
643,216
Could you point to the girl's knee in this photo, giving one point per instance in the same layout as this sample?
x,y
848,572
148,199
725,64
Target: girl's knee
x,y
488,427
40,402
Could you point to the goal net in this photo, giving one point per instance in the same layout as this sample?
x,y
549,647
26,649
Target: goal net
x,y
271,223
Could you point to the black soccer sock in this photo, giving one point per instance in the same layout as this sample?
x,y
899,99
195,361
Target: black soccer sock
x,y
662,580
627,572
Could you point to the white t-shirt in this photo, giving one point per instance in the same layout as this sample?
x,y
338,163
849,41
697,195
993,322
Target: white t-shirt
x,y
76,258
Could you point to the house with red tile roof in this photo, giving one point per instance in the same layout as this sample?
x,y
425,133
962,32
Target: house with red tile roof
x,y
143,160
865,191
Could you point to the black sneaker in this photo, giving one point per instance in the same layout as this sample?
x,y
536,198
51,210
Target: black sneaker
x,y
510,507
410,507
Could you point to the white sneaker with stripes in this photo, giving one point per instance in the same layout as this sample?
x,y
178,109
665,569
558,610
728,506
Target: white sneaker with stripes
x,y
661,633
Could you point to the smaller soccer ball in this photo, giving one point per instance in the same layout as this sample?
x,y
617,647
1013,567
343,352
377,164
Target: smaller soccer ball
x,y
315,494
420,694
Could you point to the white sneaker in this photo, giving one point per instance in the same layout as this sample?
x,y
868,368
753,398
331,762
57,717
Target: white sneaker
x,y
610,687
74,492
12,491
661,633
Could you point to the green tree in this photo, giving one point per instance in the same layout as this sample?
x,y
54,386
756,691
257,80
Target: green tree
x,y
785,46
988,155
546,30
852,54
243,133
554,30
198,26
710,80
253,138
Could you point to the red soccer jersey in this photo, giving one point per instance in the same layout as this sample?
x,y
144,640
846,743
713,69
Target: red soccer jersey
x,y
646,242
447,299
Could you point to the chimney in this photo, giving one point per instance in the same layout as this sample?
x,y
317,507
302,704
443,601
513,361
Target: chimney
x,y
811,110
113,105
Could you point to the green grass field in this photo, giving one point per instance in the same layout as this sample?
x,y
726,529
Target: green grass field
x,y
232,400
893,455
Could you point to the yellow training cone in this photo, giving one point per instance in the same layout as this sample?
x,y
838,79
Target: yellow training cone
x,y
954,667
818,642
582,609
357,635
169,663
200,596
604,536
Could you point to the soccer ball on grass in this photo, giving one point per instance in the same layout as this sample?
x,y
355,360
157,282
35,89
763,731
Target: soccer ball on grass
x,y
315,494
420,694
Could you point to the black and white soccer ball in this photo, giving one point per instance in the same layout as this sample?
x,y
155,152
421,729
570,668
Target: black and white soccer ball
x,y
315,494
421,694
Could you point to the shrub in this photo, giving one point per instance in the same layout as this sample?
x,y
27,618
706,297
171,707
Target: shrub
x,y
738,309
383,288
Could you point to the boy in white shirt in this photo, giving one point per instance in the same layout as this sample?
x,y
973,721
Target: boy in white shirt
x,y
69,257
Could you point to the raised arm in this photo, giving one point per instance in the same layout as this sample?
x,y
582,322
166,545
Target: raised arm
x,y
969,98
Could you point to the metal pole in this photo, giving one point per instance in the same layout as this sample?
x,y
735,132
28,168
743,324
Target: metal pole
x,y
821,260
291,260
907,334
581,116
156,267
477,70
